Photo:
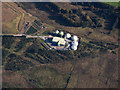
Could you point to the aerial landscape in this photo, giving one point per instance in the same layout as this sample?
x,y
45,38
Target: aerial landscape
x,y
60,44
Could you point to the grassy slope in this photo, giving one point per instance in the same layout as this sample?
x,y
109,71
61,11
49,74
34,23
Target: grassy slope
x,y
114,3
57,74
98,70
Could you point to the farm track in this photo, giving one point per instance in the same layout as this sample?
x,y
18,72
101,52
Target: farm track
x,y
19,21
13,8
70,74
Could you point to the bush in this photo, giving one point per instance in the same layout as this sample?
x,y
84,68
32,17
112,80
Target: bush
x,y
17,64
7,41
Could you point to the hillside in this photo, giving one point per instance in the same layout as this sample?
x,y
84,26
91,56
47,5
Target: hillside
x,y
27,63
37,67
91,15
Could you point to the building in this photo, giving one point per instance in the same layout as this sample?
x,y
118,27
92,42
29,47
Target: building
x,y
59,41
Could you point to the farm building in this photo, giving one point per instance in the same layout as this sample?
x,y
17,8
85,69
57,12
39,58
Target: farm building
x,y
59,41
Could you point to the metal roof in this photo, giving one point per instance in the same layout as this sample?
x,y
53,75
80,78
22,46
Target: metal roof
x,y
59,40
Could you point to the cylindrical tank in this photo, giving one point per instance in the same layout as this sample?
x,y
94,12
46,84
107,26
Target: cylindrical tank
x,y
74,38
74,47
61,33
67,35
56,32
75,43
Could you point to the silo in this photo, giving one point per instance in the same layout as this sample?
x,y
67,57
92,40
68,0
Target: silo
x,y
68,35
61,33
73,47
56,32
75,43
74,38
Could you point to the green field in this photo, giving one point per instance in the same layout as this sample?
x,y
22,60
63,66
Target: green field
x,y
114,3
31,30
10,27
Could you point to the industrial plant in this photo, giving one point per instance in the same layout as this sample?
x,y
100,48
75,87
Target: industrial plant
x,y
62,41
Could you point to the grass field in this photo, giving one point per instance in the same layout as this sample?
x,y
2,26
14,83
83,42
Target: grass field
x,y
47,77
14,18
114,3
10,27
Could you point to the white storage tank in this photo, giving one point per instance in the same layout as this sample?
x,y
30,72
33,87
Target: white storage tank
x,y
61,33
68,35
74,38
56,32
75,43
73,47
